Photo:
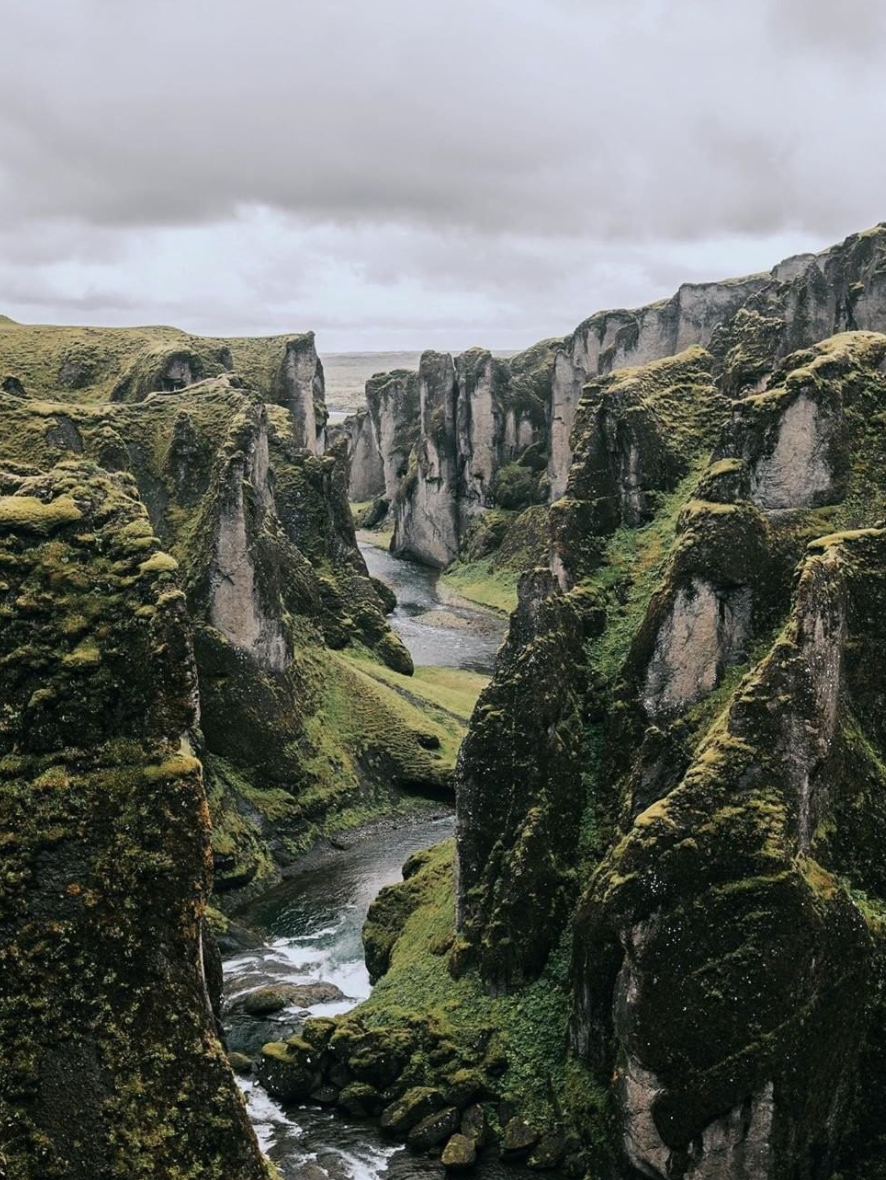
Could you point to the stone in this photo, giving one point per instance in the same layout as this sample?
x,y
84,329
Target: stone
x,y
287,1071
474,1125
401,1116
459,1154
433,1129
548,1153
360,1099
517,1138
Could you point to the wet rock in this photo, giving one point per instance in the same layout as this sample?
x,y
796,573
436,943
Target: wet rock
x,y
339,1074
376,1056
517,1138
319,1029
240,1063
325,1095
401,1116
462,1086
266,1000
236,938
360,1100
548,1153
459,1154
433,1129
474,1125
289,1070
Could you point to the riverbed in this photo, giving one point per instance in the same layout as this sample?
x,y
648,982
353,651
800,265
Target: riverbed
x,y
438,629
311,924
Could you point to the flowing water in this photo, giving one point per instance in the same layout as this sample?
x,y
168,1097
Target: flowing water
x,y
312,923
447,634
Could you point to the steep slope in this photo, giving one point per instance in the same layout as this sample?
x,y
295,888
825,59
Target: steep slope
x,y
111,1063
274,581
127,364
495,434
666,913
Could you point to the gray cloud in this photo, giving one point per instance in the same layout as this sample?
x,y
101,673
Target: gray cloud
x,y
350,163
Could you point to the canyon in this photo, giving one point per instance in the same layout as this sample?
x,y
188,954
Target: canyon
x,y
654,944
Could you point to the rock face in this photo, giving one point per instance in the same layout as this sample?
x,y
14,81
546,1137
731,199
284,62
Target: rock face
x,y
481,424
487,417
381,437
748,324
143,684
637,434
518,793
426,523
106,850
298,385
713,761
794,948
93,365
236,608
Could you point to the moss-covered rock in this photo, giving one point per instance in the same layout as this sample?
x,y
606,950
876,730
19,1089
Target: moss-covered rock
x,y
459,1154
519,793
409,1111
106,852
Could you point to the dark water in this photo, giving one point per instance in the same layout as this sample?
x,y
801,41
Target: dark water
x,y
312,924
436,633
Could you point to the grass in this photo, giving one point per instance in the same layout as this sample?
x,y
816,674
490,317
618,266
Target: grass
x,y
379,538
478,582
364,717
38,353
633,564
530,1024
452,690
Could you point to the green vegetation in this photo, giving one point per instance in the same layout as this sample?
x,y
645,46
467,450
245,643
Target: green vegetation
x,y
452,690
120,364
479,582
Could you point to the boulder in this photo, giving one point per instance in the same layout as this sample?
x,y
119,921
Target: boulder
x,y
401,1116
459,1154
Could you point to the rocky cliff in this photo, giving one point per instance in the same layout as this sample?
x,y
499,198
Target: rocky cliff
x,y
667,895
128,364
111,1062
496,433
199,676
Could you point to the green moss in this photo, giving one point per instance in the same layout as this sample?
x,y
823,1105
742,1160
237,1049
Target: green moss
x,y
478,582
36,516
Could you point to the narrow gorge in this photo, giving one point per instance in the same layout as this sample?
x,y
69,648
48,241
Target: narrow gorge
x,y
583,638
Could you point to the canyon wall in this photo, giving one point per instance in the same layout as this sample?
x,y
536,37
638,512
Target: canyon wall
x,y
521,410
670,802
194,659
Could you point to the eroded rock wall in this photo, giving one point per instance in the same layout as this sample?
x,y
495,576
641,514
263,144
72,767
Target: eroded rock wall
x,y
107,863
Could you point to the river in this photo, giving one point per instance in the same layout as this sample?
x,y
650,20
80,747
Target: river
x,y
312,923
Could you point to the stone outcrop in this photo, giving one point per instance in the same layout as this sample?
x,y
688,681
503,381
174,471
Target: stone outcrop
x,y
481,427
106,982
236,608
95,365
637,434
381,437
523,410
298,385
747,832
710,740
518,793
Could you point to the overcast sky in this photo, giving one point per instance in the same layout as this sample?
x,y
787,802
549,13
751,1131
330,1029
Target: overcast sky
x,y
420,173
